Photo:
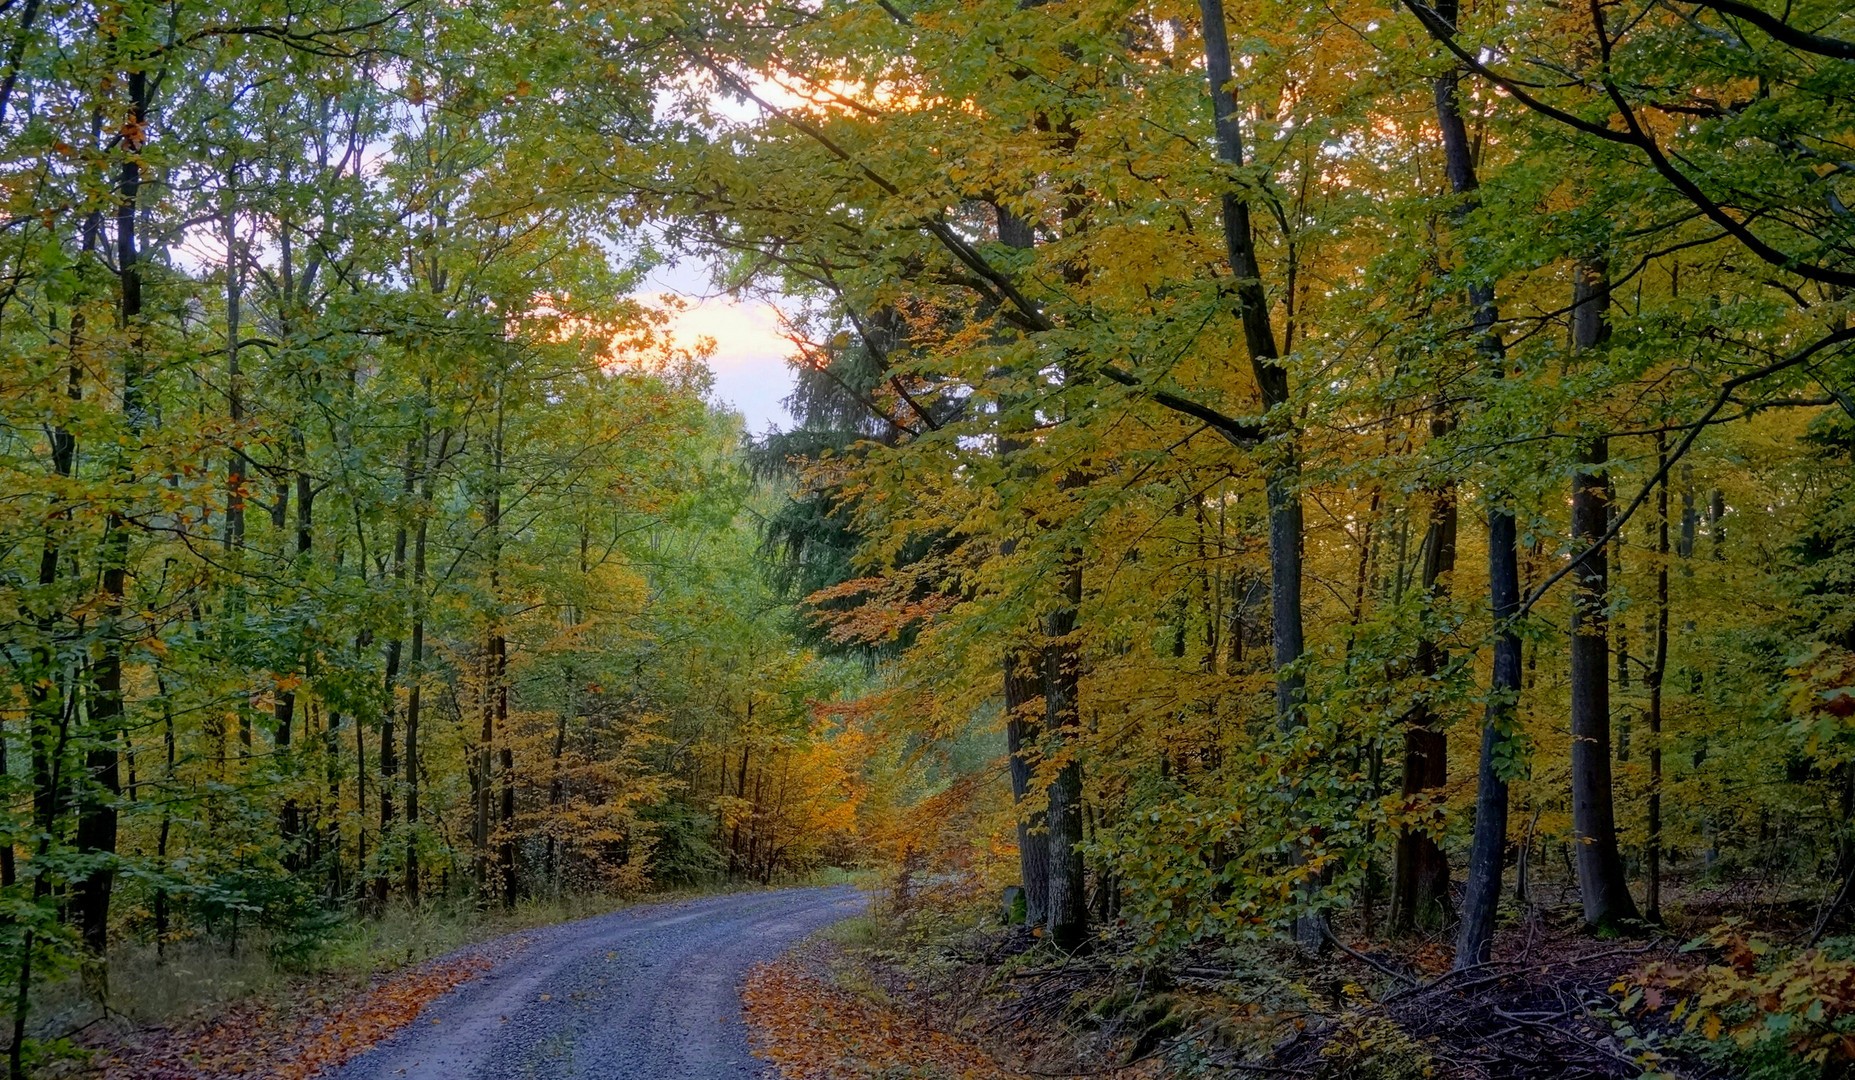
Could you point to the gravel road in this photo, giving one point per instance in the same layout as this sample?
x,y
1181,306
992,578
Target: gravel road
x,y
650,993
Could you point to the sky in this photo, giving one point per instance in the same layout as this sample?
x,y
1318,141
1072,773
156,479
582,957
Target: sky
x,y
750,357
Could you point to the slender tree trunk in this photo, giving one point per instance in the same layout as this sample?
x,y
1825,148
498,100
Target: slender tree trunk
x,y
16,54
1690,521
96,817
1022,687
389,764
1716,523
234,378
415,689
170,745
1488,847
1488,844
414,701
556,785
1601,883
740,792
499,667
511,881
284,712
1620,634
481,770
1067,917
1284,469
1022,690
46,721
1658,670
389,701
1420,889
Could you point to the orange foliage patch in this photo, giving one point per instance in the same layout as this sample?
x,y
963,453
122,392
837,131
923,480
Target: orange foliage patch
x,y
812,1030
296,1042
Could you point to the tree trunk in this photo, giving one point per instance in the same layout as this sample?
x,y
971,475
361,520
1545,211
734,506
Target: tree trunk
x,y
414,703
284,711
1658,670
1488,848
416,663
1067,917
234,378
389,708
1420,889
1601,883
1481,895
1022,687
96,807
740,792
506,855
1284,470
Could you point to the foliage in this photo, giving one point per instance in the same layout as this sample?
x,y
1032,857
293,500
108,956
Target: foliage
x,y
1756,994
364,534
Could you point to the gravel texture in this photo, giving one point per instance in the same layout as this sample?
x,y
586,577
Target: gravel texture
x,y
650,993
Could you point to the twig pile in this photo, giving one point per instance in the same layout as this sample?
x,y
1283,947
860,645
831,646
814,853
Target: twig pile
x,y
1516,1019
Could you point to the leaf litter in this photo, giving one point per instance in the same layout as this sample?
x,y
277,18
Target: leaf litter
x,y
294,1037
812,1029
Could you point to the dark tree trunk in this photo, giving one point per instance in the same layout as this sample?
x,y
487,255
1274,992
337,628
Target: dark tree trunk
x,y
1067,918
1488,846
1420,878
1022,689
96,809
414,705
1283,482
389,706
389,762
1023,686
499,668
740,792
511,890
415,697
234,378
1601,883
482,761
284,711
1487,849
1658,671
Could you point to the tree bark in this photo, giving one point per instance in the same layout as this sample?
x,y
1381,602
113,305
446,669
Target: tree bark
x,y
414,704
1488,848
1284,470
416,662
1481,895
234,378
389,705
1420,890
1067,918
96,805
1022,688
500,660
1657,674
1602,887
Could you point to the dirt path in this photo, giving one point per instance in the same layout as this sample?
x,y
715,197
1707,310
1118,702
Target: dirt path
x,y
644,994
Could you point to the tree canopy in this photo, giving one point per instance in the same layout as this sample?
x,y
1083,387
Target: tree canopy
x,y
1273,465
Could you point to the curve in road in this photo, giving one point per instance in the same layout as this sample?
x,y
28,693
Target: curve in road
x,y
649,993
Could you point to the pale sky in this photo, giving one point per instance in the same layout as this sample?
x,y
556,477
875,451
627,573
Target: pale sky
x,y
750,357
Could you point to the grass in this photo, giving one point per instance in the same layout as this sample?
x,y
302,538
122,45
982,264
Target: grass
x,y
857,932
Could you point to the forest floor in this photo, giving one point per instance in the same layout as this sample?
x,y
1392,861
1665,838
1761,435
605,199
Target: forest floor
x,y
365,999
938,995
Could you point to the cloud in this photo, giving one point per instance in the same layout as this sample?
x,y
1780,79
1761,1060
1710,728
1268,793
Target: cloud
x,y
750,355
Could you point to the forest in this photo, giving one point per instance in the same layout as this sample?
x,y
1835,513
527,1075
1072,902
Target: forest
x,y
1343,482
